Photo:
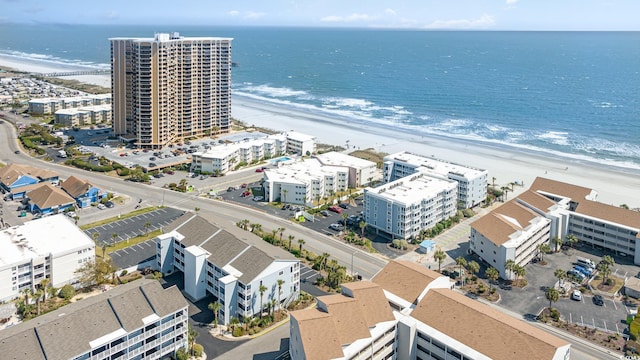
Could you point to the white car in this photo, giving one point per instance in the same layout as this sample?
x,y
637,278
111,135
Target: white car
x,y
576,295
102,206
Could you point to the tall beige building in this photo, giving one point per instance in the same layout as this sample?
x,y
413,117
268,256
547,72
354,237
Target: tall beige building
x,y
169,87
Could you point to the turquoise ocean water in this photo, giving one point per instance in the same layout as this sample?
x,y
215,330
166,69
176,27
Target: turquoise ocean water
x,y
569,94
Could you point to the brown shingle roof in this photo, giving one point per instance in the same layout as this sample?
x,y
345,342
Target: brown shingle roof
x,y
502,222
536,200
317,333
48,196
12,172
373,303
75,186
492,333
576,193
21,346
610,213
405,279
347,317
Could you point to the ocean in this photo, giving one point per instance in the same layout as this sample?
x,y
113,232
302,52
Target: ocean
x,y
573,95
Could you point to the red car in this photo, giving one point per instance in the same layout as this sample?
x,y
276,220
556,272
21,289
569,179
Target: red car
x,y
335,209
259,170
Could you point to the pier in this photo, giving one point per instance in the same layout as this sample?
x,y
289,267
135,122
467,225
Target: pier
x,y
77,73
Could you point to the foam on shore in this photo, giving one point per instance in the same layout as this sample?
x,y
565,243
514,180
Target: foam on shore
x,y
506,165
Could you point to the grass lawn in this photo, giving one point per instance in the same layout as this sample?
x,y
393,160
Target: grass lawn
x,y
125,244
618,284
116,218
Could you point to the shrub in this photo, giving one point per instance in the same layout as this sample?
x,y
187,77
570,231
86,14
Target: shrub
x,y
198,350
67,292
238,331
181,354
124,272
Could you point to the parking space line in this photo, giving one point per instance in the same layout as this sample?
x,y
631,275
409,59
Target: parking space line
x,y
115,253
125,251
140,246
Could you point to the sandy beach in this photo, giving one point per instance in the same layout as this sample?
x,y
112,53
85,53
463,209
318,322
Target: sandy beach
x,y
506,165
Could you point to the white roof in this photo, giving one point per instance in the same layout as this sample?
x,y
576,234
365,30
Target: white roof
x,y
226,150
293,135
339,159
413,188
434,165
302,172
50,235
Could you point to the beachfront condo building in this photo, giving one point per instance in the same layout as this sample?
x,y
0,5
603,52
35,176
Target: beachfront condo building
x,y
361,172
513,231
90,115
169,88
409,312
304,182
403,208
472,182
301,144
231,271
47,106
137,320
51,248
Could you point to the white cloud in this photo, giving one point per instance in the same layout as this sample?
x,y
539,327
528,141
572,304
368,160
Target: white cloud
x,y
511,2
390,11
234,13
112,14
485,21
254,15
350,18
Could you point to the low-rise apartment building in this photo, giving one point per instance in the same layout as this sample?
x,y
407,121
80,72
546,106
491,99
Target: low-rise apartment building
x,y
16,178
51,247
47,106
304,181
472,182
301,144
215,262
403,208
138,320
409,312
361,172
513,231
88,115
221,159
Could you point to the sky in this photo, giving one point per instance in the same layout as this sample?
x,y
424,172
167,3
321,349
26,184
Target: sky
x,y
578,15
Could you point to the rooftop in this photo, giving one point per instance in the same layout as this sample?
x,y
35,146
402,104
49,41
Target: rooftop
x,y
575,192
437,166
39,238
335,158
405,279
303,172
413,188
503,222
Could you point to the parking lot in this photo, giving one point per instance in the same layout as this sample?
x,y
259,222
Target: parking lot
x,y
531,299
127,228
134,255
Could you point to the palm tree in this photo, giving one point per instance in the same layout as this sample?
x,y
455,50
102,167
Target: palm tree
x,y
325,257
95,236
439,256
215,307
280,283
572,239
114,236
473,267
461,262
281,230
233,322
552,295
52,291
291,237
37,295
509,266
492,275
192,338
561,275
104,249
147,225
262,290
284,195
301,242
556,241
604,269
43,285
362,225
519,271
543,248
256,228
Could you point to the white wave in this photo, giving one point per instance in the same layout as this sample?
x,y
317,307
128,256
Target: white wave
x,y
275,91
555,137
50,59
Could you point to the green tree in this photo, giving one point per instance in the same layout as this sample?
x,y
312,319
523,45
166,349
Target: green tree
x,y
301,242
473,267
557,242
262,290
605,270
193,335
215,307
572,239
256,229
439,256
552,295
543,248
37,296
363,226
95,272
560,274
509,265
67,292
291,237
492,275
281,230
520,272
182,354
280,283
462,263
43,286
147,225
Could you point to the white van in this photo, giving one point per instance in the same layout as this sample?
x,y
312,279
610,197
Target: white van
x,y
584,262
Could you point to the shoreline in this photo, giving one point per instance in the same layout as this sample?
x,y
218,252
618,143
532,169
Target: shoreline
x,y
505,163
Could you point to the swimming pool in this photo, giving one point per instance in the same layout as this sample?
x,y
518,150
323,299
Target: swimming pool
x,y
280,159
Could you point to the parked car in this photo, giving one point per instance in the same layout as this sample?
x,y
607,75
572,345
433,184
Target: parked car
x,y
576,275
245,194
258,198
109,204
336,227
344,206
335,209
324,213
598,300
582,270
152,165
101,206
259,170
576,295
